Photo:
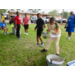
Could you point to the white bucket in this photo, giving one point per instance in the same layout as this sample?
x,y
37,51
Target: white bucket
x,y
54,60
14,31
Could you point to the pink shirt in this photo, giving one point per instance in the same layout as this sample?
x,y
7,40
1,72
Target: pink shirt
x,y
26,20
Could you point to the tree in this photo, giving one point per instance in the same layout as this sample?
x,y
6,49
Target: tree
x,y
17,9
22,10
2,11
53,13
34,10
12,9
66,14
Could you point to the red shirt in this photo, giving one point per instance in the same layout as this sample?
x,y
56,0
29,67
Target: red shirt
x,y
18,19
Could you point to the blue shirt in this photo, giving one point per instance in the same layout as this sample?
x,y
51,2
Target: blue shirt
x,y
3,24
71,21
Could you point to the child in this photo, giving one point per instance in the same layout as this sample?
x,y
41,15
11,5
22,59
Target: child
x,y
39,27
55,35
26,23
3,26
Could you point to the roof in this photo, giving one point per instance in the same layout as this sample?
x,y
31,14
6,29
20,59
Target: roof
x,y
27,12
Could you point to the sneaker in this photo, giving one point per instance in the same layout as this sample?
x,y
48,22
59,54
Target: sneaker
x,y
44,50
42,44
68,38
57,54
37,44
6,32
19,38
26,33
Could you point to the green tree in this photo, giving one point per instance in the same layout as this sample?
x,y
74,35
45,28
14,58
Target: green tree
x,y
34,10
12,9
2,11
17,9
66,14
53,13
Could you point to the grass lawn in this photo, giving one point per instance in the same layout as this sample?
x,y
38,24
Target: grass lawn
x,y
15,52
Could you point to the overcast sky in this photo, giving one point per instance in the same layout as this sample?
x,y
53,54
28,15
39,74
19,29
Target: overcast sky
x,y
48,10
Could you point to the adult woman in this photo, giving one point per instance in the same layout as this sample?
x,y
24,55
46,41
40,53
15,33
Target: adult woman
x,y
70,24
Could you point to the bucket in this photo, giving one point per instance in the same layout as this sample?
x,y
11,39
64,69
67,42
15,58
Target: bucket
x,y
45,35
54,60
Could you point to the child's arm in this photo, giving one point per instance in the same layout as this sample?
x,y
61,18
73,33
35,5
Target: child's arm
x,y
48,30
36,26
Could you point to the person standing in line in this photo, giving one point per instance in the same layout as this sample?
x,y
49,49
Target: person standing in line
x,y
26,23
54,35
70,24
39,27
17,25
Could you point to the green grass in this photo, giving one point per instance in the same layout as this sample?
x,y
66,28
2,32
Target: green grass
x,y
15,52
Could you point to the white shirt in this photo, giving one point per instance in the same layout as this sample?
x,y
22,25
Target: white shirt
x,y
55,35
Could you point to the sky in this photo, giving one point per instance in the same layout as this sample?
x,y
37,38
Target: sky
x,y
48,10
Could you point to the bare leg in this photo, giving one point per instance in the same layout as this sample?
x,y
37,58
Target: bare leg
x,y
41,39
27,30
7,29
37,39
70,34
4,30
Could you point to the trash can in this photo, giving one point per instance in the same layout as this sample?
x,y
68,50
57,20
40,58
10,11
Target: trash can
x,y
54,60
14,31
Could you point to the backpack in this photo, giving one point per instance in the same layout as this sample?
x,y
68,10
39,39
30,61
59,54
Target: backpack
x,y
57,27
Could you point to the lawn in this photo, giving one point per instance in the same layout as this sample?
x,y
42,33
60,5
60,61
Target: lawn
x,y
15,52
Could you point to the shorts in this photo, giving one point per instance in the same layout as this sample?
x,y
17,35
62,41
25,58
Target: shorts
x,y
3,27
39,32
26,26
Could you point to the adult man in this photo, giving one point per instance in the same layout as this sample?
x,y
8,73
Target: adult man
x,y
26,23
39,27
70,24
3,26
17,25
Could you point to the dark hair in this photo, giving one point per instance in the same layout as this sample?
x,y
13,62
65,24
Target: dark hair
x,y
52,19
17,12
25,13
38,14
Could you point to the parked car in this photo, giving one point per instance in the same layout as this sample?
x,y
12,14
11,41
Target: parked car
x,y
33,19
46,19
63,21
56,20
12,20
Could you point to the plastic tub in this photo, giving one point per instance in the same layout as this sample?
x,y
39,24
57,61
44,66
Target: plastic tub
x,y
54,60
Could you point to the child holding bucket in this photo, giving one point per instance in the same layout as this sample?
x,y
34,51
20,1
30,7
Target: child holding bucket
x,y
55,35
